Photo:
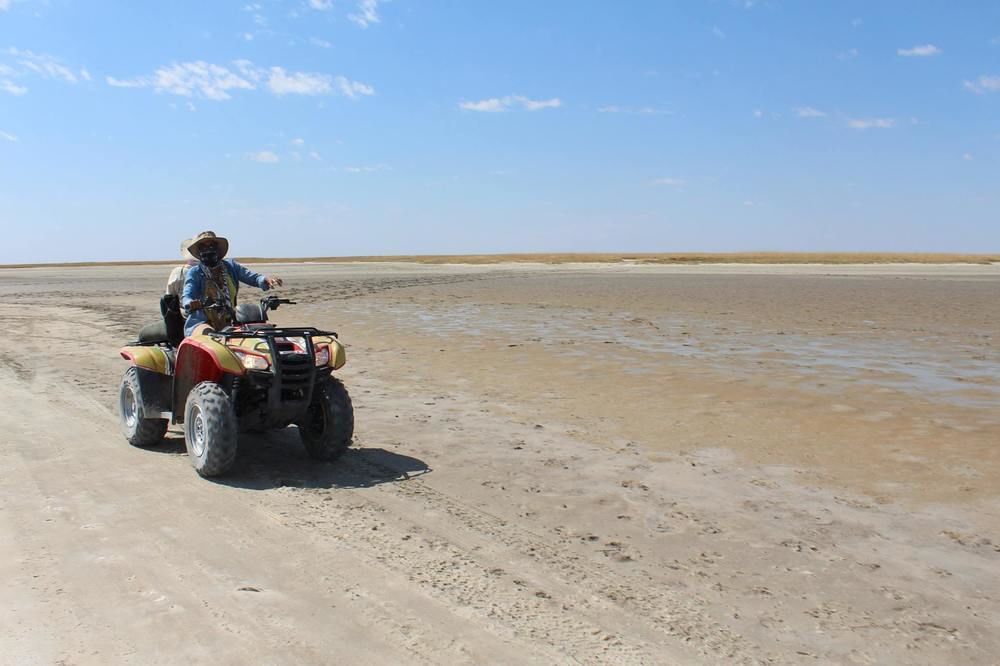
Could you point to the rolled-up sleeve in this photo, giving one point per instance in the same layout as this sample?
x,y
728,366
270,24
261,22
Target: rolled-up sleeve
x,y
247,276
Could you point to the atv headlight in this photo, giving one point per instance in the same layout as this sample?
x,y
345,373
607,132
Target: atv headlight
x,y
323,355
252,361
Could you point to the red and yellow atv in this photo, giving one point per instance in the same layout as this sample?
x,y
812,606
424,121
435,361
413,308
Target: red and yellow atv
x,y
251,376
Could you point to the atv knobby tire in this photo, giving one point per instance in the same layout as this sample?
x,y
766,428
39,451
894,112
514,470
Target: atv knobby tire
x,y
328,426
210,429
138,430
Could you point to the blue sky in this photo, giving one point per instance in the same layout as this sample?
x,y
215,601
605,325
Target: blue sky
x,y
345,127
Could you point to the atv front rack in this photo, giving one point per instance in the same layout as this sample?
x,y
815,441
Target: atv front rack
x,y
292,376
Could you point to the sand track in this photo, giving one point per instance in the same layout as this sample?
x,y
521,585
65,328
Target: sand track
x,y
504,502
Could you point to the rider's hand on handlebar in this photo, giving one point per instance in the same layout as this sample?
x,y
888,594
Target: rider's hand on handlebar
x,y
274,281
194,305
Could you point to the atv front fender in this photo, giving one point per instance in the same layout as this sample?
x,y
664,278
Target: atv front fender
x,y
338,356
200,358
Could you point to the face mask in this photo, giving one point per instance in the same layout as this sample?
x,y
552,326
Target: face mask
x,y
209,256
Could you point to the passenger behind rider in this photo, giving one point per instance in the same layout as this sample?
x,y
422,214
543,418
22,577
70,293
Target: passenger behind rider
x,y
215,280
175,283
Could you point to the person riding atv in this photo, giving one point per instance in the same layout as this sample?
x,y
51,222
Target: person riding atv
x,y
247,375
216,279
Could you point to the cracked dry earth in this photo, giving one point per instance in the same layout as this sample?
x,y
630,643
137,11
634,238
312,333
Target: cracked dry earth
x,y
576,464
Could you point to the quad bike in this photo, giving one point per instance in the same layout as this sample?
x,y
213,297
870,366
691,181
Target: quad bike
x,y
251,376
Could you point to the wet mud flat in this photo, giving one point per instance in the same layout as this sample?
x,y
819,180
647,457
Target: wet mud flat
x,y
577,463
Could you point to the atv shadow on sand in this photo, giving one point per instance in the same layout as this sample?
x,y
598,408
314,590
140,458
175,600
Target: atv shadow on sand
x,y
278,460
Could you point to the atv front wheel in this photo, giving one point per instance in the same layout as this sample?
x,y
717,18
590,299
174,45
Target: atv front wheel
x,y
138,430
210,429
328,426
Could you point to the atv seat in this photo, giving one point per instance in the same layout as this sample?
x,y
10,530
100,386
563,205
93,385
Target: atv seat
x,y
170,329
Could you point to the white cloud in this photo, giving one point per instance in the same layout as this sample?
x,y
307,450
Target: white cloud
x,y
809,112
313,155
493,105
919,51
321,5
353,89
670,182
368,13
6,136
640,110
983,84
497,104
4,5
322,43
12,88
200,79
27,63
849,54
298,142
281,82
967,157
538,105
757,113
264,157
248,36
214,82
366,169
126,83
717,31
871,123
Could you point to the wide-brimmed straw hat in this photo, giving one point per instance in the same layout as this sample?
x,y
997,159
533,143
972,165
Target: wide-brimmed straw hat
x,y
185,253
221,242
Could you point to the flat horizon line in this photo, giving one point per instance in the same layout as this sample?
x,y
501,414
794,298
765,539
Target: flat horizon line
x,y
833,258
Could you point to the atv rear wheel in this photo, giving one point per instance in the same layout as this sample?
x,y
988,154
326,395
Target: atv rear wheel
x,y
138,430
210,429
328,426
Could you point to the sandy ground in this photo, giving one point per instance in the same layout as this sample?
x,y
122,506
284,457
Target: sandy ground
x,y
572,464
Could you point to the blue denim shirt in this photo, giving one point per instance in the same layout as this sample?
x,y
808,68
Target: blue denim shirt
x,y
194,288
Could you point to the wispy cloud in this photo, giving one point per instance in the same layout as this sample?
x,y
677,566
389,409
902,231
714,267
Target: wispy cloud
x,y
717,31
264,157
216,82
26,64
637,110
313,155
189,79
44,65
871,123
669,182
923,51
809,112
498,104
281,82
983,84
367,169
12,88
4,5
298,142
367,13
321,5
353,89
6,136
849,54
322,43
968,157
